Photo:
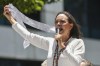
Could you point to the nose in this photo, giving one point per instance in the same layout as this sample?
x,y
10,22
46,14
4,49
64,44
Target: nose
x,y
58,24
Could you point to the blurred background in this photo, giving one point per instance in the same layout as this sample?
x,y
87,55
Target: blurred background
x,y
86,13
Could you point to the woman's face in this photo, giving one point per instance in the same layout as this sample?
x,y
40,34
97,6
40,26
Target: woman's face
x,y
63,24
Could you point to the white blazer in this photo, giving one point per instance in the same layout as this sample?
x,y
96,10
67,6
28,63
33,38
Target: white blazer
x,y
71,56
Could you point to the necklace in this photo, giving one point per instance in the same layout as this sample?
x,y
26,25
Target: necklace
x,y
58,53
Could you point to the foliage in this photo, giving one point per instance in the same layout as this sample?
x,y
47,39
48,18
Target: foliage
x,y
26,6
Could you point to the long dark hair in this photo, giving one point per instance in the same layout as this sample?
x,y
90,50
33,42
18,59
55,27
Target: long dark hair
x,y
75,32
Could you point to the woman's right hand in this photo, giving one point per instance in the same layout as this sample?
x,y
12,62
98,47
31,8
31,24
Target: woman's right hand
x,y
58,37
8,15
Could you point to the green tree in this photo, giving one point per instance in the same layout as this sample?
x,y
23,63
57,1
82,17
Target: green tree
x,y
26,6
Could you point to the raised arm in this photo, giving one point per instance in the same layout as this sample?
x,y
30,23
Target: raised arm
x,y
34,39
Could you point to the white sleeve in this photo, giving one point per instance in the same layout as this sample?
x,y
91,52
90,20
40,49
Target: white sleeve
x,y
78,50
34,39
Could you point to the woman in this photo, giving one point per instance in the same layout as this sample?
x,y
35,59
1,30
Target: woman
x,y
65,49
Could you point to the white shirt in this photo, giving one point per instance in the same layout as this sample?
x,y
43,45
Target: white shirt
x,y
71,56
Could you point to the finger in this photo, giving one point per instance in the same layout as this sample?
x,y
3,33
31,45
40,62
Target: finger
x,y
6,9
7,13
7,6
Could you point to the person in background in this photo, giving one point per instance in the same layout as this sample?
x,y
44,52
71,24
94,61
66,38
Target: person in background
x,y
65,49
86,63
